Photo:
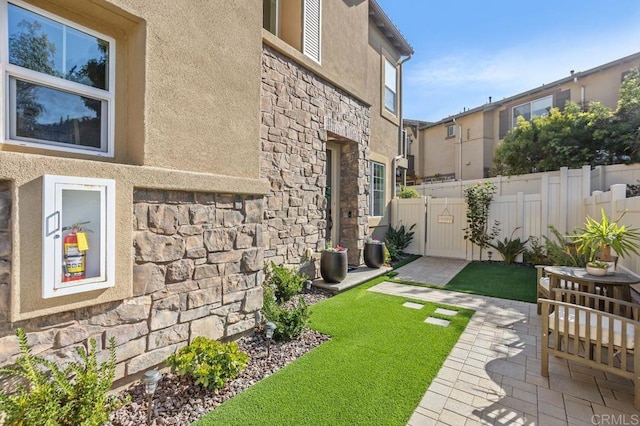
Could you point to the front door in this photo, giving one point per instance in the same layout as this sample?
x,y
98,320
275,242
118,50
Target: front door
x,y
332,193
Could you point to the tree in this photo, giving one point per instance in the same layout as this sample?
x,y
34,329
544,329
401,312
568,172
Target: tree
x,y
575,137
478,199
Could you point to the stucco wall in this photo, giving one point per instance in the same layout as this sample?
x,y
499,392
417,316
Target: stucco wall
x,y
179,87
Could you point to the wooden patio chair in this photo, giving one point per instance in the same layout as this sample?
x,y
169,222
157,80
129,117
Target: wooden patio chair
x,y
592,330
544,289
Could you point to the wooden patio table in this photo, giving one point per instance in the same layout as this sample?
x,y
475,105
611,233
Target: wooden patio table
x,y
619,282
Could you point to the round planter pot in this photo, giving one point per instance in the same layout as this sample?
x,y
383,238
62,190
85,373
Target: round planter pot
x,y
333,266
374,254
599,272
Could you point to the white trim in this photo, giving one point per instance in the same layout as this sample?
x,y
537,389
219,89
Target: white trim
x,y
10,71
52,187
372,188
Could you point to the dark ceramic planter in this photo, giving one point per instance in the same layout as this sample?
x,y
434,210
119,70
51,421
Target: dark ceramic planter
x,y
333,266
374,255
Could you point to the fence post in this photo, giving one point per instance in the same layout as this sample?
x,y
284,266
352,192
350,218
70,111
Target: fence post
x,y
618,192
563,202
544,204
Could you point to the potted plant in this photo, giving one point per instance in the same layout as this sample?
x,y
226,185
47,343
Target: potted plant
x,y
333,264
597,268
596,239
374,253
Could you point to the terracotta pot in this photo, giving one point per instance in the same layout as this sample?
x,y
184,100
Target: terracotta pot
x,y
333,266
374,254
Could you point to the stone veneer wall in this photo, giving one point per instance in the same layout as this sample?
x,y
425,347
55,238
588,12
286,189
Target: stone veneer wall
x,y
296,106
198,271
5,249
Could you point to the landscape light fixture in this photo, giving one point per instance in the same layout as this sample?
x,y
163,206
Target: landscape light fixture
x,y
489,253
308,283
269,328
150,381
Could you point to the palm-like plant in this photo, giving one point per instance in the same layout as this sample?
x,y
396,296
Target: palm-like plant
x,y
605,235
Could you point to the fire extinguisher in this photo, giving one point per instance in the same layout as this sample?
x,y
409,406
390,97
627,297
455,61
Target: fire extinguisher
x,y
74,253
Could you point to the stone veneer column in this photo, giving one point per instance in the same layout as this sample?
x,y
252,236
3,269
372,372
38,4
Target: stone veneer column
x,y
295,106
5,249
198,272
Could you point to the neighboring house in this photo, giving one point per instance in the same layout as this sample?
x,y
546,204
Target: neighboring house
x,y
462,146
330,125
151,162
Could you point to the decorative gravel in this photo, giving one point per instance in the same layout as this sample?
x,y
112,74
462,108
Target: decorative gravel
x,y
179,401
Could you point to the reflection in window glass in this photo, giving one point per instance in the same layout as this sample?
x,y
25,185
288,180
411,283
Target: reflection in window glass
x,y
377,189
54,115
41,44
537,108
390,90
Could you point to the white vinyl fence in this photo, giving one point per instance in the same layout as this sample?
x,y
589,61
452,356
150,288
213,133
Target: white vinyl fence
x,y
564,201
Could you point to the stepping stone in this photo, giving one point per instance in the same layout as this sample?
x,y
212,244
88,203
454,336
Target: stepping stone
x,y
447,312
437,321
412,305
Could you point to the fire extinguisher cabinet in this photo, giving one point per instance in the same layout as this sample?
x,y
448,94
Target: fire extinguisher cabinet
x,y
78,235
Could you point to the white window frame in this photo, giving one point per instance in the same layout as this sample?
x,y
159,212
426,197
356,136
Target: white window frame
x,y
374,164
514,119
393,89
11,72
451,130
53,219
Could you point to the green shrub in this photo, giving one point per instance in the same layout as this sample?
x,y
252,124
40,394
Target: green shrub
x,y
563,252
75,395
510,248
398,239
284,281
407,193
290,322
535,254
210,362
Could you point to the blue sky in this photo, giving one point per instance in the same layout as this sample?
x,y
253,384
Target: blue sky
x,y
468,50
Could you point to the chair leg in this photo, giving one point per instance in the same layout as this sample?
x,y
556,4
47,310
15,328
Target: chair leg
x,y
544,356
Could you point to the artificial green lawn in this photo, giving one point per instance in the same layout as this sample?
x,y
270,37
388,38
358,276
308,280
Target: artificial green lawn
x,y
374,370
513,282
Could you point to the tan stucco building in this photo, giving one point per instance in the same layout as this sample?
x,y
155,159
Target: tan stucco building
x,y
462,146
162,151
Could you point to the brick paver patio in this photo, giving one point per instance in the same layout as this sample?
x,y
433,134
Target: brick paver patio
x,y
492,375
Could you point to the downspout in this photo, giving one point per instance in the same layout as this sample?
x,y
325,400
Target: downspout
x,y
400,141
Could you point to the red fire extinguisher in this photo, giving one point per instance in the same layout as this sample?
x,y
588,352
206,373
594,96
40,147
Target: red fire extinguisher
x,y
74,252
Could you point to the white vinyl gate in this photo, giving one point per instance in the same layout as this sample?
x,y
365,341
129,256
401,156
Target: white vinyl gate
x,y
445,219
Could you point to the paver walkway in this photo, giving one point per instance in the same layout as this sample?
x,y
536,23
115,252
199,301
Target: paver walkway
x,y
438,270
492,375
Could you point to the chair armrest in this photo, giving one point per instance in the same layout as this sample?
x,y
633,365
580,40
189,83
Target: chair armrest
x,y
597,302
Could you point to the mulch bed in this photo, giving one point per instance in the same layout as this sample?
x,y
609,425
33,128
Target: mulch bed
x,y
179,401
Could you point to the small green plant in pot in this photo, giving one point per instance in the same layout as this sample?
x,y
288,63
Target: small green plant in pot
x,y
597,238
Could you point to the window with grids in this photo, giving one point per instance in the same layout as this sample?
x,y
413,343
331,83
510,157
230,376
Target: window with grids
x,y
377,189
536,108
390,87
451,130
60,81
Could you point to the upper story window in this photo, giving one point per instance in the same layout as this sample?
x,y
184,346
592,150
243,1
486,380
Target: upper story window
x,y
390,87
60,80
536,108
270,16
377,189
451,130
296,22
